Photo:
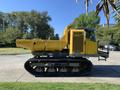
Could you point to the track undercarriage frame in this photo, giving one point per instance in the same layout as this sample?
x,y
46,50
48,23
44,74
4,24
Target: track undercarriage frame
x,y
58,65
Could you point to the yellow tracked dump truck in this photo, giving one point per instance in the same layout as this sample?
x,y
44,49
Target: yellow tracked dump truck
x,y
65,56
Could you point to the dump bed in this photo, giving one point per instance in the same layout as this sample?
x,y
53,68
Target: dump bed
x,y
41,45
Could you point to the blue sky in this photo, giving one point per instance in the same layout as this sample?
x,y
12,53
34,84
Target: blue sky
x,y
62,12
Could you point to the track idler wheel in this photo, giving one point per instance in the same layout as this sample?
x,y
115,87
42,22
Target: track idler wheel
x,y
85,67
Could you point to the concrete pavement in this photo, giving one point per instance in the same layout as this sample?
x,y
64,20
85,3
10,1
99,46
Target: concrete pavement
x,y
12,70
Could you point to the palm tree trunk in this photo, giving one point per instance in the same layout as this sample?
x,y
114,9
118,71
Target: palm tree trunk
x,y
86,2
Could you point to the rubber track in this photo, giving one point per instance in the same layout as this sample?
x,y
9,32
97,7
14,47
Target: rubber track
x,y
30,69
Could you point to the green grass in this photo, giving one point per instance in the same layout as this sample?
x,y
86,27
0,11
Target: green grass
x,y
57,86
13,51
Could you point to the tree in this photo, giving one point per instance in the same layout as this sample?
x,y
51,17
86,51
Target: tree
x,y
27,25
55,37
87,21
117,18
105,6
32,24
108,36
10,35
41,28
117,37
86,4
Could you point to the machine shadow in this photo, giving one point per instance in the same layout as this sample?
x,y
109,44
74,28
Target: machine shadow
x,y
106,71
112,71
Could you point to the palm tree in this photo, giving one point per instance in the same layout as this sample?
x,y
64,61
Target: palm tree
x,y
87,2
105,6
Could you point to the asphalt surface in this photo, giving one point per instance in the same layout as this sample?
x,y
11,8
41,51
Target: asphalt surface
x,y
12,70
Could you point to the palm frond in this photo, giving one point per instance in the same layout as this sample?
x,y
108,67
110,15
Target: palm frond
x,y
99,7
117,12
105,6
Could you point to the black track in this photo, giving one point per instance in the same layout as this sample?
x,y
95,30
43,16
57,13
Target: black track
x,y
37,66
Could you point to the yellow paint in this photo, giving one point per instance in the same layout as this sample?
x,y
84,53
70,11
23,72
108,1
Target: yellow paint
x,y
71,40
91,47
41,45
